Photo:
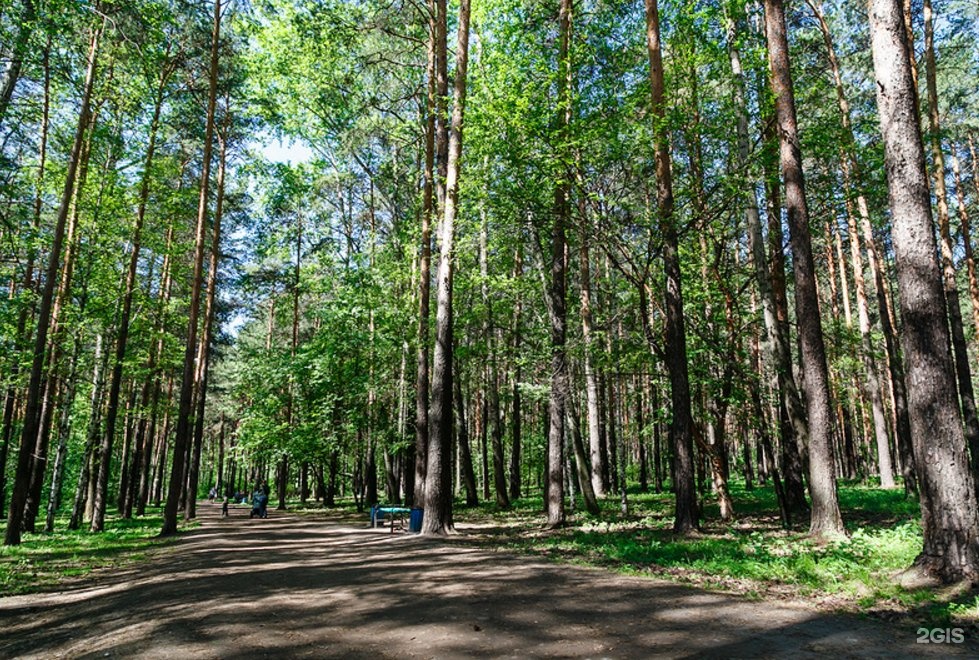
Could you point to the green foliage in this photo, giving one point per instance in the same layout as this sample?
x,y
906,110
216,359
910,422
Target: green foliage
x,y
43,561
753,555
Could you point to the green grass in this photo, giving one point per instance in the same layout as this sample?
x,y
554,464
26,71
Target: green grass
x,y
43,561
752,555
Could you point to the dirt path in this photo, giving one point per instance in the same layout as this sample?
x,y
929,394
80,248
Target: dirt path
x,y
295,586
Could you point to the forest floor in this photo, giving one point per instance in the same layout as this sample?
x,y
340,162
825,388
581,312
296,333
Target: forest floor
x,y
300,585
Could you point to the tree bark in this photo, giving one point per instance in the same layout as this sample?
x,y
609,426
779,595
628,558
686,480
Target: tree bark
x,y
94,427
29,432
64,431
558,401
21,41
791,420
493,425
207,332
960,351
826,519
966,227
10,400
153,385
438,480
581,460
516,413
416,493
681,428
183,429
850,171
591,378
465,452
949,518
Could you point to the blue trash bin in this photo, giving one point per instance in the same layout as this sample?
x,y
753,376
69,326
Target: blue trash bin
x,y
415,523
374,515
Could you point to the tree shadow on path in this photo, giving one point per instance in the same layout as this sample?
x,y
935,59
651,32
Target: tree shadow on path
x,y
295,586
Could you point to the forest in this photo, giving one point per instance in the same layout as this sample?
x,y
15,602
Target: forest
x,y
451,255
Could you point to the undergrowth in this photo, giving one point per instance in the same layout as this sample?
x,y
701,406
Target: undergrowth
x,y
752,555
45,560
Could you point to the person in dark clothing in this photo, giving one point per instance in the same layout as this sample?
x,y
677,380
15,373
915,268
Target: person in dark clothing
x,y
260,502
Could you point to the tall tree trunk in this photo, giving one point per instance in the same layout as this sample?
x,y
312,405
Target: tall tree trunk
x,y
791,420
52,387
681,429
850,170
960,351
127,450
438,480
153,385
591,378
949,518
92,437
826,519
554,499
130,286
479,415
493,424
184,430
641,454
516,412
25,29
581,460
10,400
207,332
64,431
465,458
416,494
965,226
29,432
162,445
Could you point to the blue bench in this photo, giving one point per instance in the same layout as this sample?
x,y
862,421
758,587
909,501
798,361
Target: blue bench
x,y
396,514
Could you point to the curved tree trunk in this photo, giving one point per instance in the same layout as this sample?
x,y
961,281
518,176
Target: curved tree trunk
x,y
581,460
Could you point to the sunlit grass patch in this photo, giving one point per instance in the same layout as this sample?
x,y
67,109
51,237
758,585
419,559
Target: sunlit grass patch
x,y
752,554
43,560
